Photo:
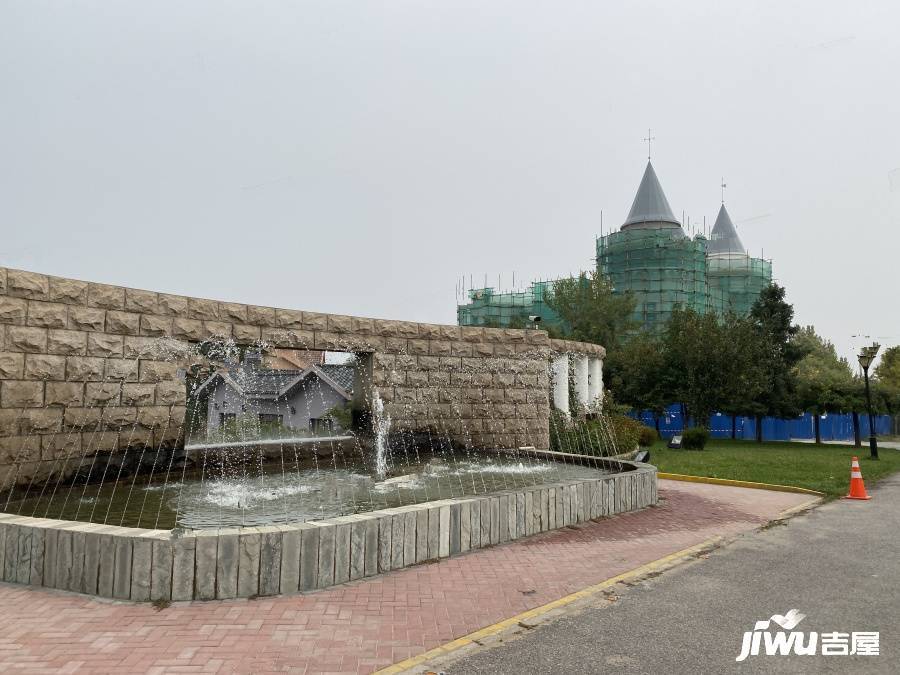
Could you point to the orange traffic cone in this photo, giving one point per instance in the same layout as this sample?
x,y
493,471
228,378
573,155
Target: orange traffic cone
x,y
857,487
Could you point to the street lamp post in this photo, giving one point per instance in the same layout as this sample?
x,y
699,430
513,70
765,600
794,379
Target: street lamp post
x,y
866,356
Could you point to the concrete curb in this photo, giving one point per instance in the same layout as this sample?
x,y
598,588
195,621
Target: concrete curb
x,y
738,483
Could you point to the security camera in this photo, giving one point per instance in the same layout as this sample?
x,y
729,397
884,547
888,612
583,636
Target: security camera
x,y
534,318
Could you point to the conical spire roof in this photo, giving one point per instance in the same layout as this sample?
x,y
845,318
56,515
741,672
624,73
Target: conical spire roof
x,y
724,238
650,204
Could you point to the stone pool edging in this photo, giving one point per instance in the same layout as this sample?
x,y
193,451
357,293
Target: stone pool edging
x,y
135,564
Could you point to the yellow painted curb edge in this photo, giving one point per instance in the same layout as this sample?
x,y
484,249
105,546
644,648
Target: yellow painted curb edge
x,y
738,483
655,566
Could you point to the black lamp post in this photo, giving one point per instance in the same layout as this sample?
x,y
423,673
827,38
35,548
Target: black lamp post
x,y
866,356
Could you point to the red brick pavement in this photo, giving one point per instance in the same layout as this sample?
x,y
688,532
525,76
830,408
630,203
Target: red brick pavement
x,y
365,625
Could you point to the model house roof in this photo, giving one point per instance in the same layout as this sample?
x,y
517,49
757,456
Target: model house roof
x,y
650,206
266,384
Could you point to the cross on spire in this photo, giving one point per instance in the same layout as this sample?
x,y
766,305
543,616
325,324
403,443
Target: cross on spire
x,y
648,140
723,186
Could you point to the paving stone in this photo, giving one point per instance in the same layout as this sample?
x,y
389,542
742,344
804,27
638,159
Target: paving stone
x,y
465,526
269,560
290,560
410,522
434,533
371,567
342,553
122,566
384,543
38,537
327,531
521,529
141,566
161,573
503,525
183,550
475,524
398,522
529,513
494,505
358,547
206,563
444,531
227,563
309,556
421,534
455,511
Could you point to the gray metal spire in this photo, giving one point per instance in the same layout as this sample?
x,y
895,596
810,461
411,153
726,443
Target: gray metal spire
x,y
650,208
724,238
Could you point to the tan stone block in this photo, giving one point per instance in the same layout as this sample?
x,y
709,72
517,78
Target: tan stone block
x,y
471,333
504,349
101,393
122,369
261,316
2,280
187,329
338,323
156,326
107,440
64,393
288,339
395,344
289,318
115,417
315,321
13,310
21,394
172,304
158,371
385,328
494,395
46,314
483,349
233,311
12,366
9,421
516,395
45,367
87,318
69,291
137,438
101,344
144,302
438,377
244,333
217,329
139,346
23,339
106,296
27,285
123,323
66,342
61,446
205,310
16,449
43,421
417,378
84,368
405,395
138,394
441,348
418,347
152,417
449,332
461,348
450,363
332,341
362,325
81,418
537,337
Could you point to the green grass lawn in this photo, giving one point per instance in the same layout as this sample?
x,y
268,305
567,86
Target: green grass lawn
x,y
825,468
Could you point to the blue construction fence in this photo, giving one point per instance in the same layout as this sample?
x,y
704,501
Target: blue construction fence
x,y
832,426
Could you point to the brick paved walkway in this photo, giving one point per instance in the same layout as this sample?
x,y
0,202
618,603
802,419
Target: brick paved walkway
x,y
362,626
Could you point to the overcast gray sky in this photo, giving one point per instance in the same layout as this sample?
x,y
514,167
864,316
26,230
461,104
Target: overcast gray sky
x,y
359,157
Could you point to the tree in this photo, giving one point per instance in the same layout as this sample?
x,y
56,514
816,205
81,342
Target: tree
x,y
634,372
742,367
773,318
590,311
887,382
825,381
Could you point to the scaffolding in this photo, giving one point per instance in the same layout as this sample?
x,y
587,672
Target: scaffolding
x,y
662,269
512,309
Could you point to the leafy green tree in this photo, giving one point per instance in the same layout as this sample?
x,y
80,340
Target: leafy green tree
x,y
634,371
590,311
887,382
741,362
825,381
781,353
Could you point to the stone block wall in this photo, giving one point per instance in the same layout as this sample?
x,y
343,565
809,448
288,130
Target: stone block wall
x,y
93,367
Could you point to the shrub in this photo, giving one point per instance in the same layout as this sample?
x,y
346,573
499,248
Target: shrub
x,y
602,435
694,438
647,436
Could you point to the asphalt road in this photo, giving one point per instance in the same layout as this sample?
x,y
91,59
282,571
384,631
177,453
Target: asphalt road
x,y
838,564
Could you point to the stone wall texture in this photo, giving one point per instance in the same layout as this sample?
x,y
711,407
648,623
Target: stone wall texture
x,y
80,368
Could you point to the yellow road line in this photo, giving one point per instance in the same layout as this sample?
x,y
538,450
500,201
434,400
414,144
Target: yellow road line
x,y
655,566
738,483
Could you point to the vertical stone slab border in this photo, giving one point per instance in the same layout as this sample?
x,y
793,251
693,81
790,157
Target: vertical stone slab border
x,y
160,565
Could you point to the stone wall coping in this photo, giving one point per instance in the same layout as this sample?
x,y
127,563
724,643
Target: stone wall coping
x,y
203,317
